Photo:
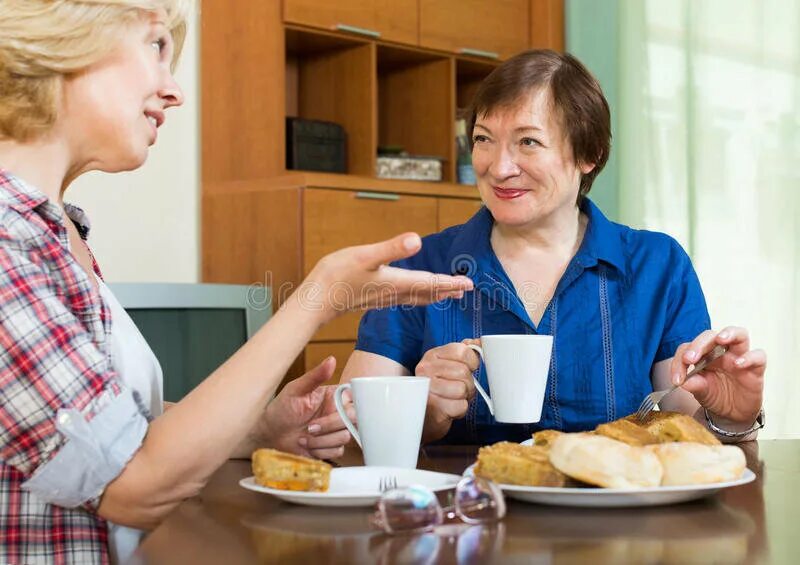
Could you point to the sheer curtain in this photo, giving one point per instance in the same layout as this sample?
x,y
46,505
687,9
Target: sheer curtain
x,y
709,151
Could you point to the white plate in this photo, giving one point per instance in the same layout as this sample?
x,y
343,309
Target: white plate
x,y
358,486
617,498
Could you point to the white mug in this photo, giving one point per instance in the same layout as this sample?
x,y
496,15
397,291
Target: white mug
x,y
390,413
516,368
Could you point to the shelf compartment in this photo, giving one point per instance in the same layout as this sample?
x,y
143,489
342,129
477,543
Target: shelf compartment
x,y
416,103
332,78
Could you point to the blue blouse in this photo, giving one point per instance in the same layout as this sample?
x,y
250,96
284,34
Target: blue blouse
x,y
627,299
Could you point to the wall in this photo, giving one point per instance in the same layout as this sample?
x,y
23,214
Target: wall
x,y
591,36
145,224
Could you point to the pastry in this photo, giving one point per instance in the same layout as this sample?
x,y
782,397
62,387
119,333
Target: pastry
x,y
674,426
545,438
605,462
285,471
515,464
626,431
695,463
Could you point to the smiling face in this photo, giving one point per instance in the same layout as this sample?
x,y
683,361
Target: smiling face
x,y
524,164
111,111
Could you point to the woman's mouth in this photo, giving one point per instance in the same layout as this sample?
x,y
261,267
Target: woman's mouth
x,y
508,193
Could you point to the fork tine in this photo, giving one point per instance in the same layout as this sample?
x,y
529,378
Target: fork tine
x,y
645,408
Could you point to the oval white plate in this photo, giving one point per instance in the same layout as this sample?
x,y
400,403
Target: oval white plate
x,y
617,498
358,486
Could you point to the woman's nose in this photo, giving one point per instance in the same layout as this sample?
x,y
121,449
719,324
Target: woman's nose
x,y
171,92
503,164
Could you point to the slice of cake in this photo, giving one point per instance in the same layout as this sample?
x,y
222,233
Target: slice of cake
x,y
285,471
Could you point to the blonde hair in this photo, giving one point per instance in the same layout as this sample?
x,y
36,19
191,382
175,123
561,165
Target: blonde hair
x,y
41,41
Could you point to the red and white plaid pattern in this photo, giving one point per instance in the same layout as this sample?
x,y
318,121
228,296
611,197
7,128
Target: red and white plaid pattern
x,y
54,336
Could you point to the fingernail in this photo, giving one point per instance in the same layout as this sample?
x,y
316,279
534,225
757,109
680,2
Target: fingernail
x,y
740,361
676,379
691,355
302,441
411,242
314,428
724,335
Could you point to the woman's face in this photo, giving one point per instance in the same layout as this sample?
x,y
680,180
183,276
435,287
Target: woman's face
x,y
111,112
524,164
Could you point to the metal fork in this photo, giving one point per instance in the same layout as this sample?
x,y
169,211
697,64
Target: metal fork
x,y
651,400
387,483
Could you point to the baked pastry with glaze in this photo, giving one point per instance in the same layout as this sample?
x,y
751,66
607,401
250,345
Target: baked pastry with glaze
x,y
674,426
627,431
286,471
514,464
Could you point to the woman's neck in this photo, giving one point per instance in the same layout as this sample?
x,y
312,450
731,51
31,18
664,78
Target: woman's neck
x,y
557,234
44,164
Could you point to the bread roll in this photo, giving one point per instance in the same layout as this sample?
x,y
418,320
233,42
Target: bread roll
x,y
605,462
285,471
694,463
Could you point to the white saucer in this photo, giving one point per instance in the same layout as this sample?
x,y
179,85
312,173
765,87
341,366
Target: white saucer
x,y
358,486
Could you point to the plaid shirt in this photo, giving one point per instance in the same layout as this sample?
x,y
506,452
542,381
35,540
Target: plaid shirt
x,y
61,403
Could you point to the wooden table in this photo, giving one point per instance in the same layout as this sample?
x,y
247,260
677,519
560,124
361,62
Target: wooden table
x,y
755,523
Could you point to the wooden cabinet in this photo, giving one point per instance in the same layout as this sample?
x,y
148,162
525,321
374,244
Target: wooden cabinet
x,y
316,353
264,224
391,20
455,211
492,28
333,219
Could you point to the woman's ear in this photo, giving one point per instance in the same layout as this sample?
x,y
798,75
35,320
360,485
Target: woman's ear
x,y
586,168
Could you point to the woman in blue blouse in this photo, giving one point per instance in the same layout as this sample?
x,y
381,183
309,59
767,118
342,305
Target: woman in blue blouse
x,y
624,306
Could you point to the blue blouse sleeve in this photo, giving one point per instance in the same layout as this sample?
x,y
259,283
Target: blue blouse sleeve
x,y
686,310
394,332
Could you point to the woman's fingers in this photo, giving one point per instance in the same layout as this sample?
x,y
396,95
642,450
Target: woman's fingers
x,y
326,441
453,409
332,422
330,453
757,358
451,389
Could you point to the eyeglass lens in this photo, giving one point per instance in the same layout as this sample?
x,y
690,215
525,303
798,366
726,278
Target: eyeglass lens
x,y
409,509
478,501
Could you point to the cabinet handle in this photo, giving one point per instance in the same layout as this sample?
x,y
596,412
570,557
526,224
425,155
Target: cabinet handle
x,y
479,53
358,30
378,196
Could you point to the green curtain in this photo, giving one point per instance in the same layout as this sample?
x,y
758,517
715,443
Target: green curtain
x,y
707,136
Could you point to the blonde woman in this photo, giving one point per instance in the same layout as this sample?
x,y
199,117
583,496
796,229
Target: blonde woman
x,y
85,463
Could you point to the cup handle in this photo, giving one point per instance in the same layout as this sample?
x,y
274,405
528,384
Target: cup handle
x,y
489,403
337,399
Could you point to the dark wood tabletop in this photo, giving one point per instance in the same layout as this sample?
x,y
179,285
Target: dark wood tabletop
x,y
754,523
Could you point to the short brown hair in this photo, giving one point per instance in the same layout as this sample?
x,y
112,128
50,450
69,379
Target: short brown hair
x,y
574,93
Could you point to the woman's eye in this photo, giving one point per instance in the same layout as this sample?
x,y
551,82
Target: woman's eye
x,y
479,139
529,142
159,45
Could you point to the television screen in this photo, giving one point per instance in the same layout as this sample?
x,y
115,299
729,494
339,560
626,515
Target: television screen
x,y
190,342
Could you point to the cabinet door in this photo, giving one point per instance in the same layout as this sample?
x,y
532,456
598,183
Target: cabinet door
x,y
499,27
454,211
333,219
315,353
394,20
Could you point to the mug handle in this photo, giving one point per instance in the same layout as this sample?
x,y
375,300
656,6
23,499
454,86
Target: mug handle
x,y
337,399
489,403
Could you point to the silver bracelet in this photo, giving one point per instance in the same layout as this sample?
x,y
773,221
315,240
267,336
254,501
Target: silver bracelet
x,y
757,425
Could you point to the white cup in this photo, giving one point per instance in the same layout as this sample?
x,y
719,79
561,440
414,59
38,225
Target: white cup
x,y
390,413
516,368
